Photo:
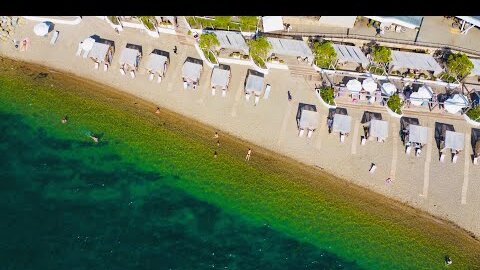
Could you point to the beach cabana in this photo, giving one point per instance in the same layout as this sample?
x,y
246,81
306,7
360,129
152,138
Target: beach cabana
x,y
415,61
272,23
454,141
475,144
230,40
157,64
405,123
456,103
411,22
441,130
191,71
130,59
374,126
220,78
417,137
307,119
424,94
350,54
290,47
102,52
254,84
342,124
338,21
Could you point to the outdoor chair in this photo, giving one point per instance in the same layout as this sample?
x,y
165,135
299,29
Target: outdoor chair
x,y
213,90
300,132
96,65
364,141
159,79
257,99
407,151
442,157
150,77
54,38
475,161
454,159
105,67
309,133
418,152
267,91
342,138
247,96
185,85
194,86
224,92
79,51
85,54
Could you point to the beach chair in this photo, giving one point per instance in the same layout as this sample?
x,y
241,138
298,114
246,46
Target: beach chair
x,y
213,90
224,92
185,85
342,138
96,65
132,74
454,159
159,79
257,99
85,54
247,96
475,161
150,77
105,67
309,133
373,168
300,133
364,141
418,152
442,157
122,71
194,86
408,150
54,38
79,51
380,139
267,91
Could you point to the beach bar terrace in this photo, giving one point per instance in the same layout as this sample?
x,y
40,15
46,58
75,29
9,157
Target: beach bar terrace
x,y
404,61
291,47
102,52
157,64
130,59
231,42
191,71
349,54
220,78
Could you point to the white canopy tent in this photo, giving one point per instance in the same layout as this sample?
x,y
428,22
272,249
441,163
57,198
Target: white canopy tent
x,y
346,53
157,63
272,23
417,134
369,85
338,21
454,140
290,47
473,20
389,89
378,128
220,77
341,123
308,120
354,85
423,94
411,22
191,71
254,84
231,40
456,103
129,56
417,61
476,67
87,44
99,51
41,29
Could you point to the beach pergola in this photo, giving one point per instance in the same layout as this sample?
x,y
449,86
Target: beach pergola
x,y
130,56
254,83
454,141
342,123
272,23
473,20
417,134
307,119
411,22
349,54
416,61
338,21
102,52
290,47
191,71
456,103
220,78
231,40
157,64
378,129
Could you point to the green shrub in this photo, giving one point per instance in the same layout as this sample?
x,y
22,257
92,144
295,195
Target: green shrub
x,y
474,113
208,41
395,103
381,55
259,49
448,77
459,65
327,95
248,23
325,54
376,70
114,19
148,21
258,61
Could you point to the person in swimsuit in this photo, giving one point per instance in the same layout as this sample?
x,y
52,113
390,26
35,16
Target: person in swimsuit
x,y
64,120
249,153
157,111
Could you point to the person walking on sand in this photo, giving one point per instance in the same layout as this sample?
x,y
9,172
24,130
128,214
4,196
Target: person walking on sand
x,y
94,138
216,135
175,50
64,120
249,153
157,111
218,143
215,154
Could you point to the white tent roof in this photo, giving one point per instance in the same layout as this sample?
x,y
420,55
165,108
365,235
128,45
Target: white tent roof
x,y
254,84
411,22
369,85
99,51
191,71
353,54
354,85
389,89
220,77
342,123
379,128
41,29
272,23
415,61
156,63
129,56
476,66
423,94
290,47
308,119
454,140
475,20
455,103
231,40
338,21
417,134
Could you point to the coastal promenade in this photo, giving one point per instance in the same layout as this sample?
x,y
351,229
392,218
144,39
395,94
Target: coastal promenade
x,y
447,190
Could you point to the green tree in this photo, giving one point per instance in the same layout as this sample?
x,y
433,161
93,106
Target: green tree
x,y
459,65
259,47
208,41
223,21
395,103
381,55
248,23
149,22
325,54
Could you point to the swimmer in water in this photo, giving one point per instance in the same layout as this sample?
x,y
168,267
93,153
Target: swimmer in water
x,y
64,120
94,138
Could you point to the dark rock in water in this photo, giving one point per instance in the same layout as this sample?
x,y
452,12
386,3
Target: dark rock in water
x,y
41,75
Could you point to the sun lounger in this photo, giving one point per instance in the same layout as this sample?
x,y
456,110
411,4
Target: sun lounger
x,y
159,79
150,77
247,97
380,139
418,152
132,74
364,141
224,92
373,168
122,71
105,67
267,91
96,65
475,160
54,38
257,99
194,86
300,133
185,85
85,54
407,151
442,157
213,91
309,133
79,51
454,159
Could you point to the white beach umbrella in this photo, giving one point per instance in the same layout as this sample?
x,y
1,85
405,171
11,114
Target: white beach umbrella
x,y
41,29
87,44
354,85
369,85
389,89
423,94
455,103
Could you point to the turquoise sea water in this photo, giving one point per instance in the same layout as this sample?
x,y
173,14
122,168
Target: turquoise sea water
x,y
70,204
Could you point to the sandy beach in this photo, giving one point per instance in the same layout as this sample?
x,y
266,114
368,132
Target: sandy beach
x,y
450,191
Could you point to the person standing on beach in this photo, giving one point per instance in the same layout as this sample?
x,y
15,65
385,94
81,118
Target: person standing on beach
x,y
175,50
218,143
329,124
249,153
157,111
215,154
216,135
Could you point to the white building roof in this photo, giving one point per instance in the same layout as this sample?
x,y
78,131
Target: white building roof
x,y
272,23
411,22
353,54
220,77
191,71
156,63
231,40
291,47
254,84
99,51
308,119
476,66
338,21
415,61
129,56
